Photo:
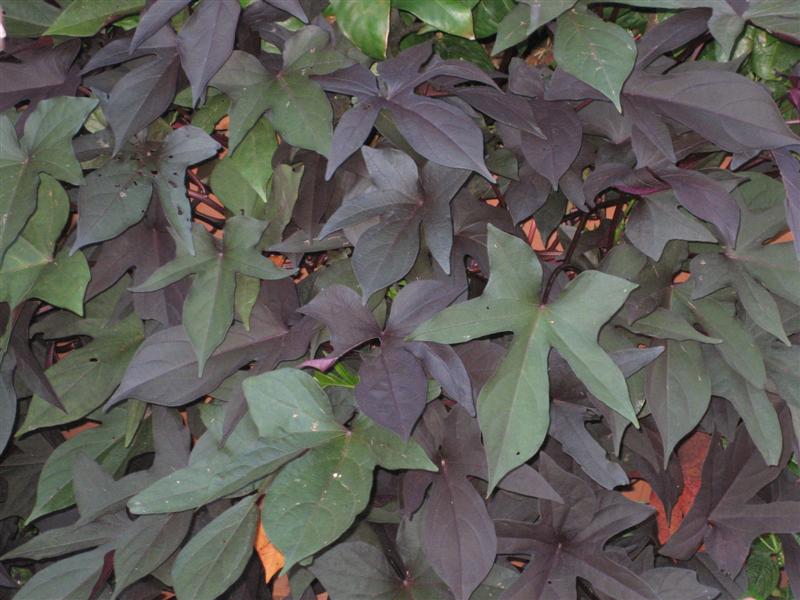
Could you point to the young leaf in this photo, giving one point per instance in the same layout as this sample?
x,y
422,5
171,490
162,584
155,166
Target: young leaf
x,y
513,407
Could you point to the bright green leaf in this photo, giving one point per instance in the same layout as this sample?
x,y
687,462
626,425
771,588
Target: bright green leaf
x,y
365,23
450,16
598,53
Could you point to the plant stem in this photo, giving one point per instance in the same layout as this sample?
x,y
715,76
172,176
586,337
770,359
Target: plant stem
x,y
565,264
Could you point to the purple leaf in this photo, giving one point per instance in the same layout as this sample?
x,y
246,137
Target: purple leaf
x,y
790,174
351,131
140,97
567,425
671,34
724,516
706,199
552,156
154,18
443,364
728,109
39,73
390,388
206,41
440,132
458,535
350,323
568,542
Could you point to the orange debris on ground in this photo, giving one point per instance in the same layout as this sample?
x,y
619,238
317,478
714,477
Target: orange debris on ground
x,y
271,558
691,455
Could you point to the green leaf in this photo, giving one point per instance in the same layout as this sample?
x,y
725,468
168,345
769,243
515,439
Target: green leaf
x,y
215,558
113,198
289,403
300,111
738,348
752,404
389,450
45,147
513,406
365,23
104,444
181,148
212,477
244,300
240,179
29,269
450,16
525,18
208,309
28,18
283,196
513,29
86,17
73,577
315,498
146,546
598,53
86,377
763,574
488,14
667,325
245,81
678,391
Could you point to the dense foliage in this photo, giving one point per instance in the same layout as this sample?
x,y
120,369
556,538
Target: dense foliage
x,y
401,299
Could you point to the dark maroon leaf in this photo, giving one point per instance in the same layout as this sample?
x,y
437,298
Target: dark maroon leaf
x,y
140,97
706,199
671,34
568,426
724,517
206,41
392,388
154,18
568,542
164,369
790,174
407,201
552,156
39,74
28,368
439,131
748,119
458,535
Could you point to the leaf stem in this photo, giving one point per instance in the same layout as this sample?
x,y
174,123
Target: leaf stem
x,y
566,264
